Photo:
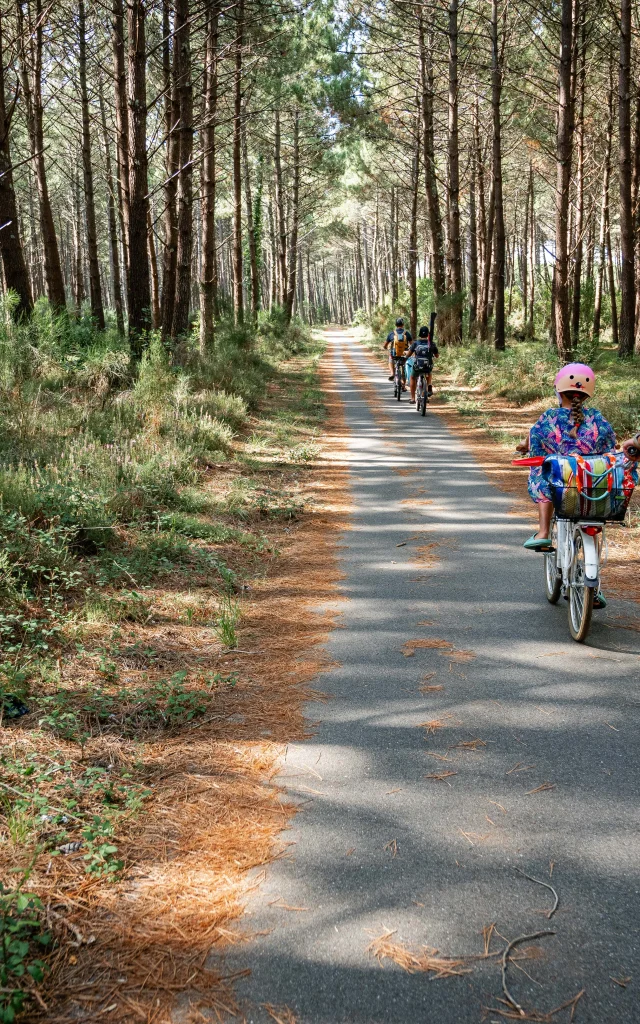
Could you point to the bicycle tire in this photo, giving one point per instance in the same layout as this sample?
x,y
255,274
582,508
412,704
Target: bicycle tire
x,y
425,398
581,597
399,386
552,576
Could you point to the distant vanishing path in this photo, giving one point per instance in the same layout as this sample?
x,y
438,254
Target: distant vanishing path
x,y
543,710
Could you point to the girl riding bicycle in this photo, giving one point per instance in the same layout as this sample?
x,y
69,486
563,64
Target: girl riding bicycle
x,y
570,429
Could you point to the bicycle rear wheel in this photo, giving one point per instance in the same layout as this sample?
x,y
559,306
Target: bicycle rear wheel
x,y
399,384
425,397
581,597
552,573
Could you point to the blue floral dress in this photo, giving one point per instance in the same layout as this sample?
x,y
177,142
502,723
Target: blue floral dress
x,y
550,436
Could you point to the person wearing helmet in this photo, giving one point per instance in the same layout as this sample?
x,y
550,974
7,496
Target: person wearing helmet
x,y
424,351
399,339
568,429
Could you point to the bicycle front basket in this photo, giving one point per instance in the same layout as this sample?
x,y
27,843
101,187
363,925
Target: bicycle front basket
x,y
588,488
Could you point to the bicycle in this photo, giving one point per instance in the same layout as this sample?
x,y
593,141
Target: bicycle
x,y
399,376
573,562
422,392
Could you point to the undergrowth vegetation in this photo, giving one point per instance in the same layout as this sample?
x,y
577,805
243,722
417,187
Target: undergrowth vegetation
x,y
525,372
134,499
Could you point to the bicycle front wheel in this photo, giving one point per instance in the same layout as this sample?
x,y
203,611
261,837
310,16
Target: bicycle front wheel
x,y
552,572
581,597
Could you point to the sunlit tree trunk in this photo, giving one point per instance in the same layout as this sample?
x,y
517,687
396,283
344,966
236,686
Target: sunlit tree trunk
x,y
30,46
14,265
564,152
95,290
139,299
628,298
454,250
184,95
209,274
429,159
496,91
238,301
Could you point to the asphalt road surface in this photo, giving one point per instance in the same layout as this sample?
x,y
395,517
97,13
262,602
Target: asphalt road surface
x,y
378,845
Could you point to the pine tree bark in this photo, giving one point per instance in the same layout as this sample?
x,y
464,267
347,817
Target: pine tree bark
x,y
122,126
628,298
295,218
209,272
604,214
579,246
95,290
170,82
153,272
429,159
238,300
280,218
184,93
111,218
251,228
473,248
454,251
16,275
30,44
564,153
412,256
139,286
496,93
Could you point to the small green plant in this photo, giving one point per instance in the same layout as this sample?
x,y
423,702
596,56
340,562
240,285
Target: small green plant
x,y
101,857
22,941
228,618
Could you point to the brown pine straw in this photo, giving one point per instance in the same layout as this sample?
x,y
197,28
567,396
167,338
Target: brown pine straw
x,y
427,961
411,646
280,1014
216,810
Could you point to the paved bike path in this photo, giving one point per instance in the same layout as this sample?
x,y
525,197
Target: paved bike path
x,y
377,844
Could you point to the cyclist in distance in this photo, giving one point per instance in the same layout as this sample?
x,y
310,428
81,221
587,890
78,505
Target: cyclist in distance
x,y
399,339
423,350
570,429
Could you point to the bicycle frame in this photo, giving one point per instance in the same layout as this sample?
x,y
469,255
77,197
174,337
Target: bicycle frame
x,y
592,535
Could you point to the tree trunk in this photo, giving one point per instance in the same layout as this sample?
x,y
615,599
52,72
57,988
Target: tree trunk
x,y
184,96
496,92
95,291
579,247
111,218
636,213
597,306
30,49
612,286
251,233
628,298
281,220
473,248
454,252
139,286
153,270
413,234
295,218
78,256
238,301
172,163
208,273
564,150
428,143
122,127
16,275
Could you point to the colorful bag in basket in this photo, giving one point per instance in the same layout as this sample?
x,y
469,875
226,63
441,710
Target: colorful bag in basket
x,y
588,488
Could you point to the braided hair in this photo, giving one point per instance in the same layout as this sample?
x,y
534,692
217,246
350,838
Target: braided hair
x,y
577,415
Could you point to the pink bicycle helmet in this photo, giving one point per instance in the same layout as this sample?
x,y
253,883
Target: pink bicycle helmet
x,y
576,377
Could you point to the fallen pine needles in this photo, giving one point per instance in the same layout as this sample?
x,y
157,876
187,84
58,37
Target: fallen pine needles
x,y
411,646
428,961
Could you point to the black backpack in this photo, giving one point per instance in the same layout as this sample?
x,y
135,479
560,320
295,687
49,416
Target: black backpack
x,y
423,356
